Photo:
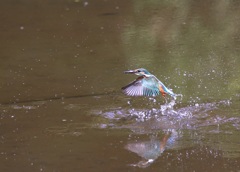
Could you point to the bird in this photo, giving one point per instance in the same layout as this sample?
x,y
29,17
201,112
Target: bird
x,y
146,85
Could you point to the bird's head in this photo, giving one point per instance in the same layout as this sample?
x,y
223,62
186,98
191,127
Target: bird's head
x,y
140,72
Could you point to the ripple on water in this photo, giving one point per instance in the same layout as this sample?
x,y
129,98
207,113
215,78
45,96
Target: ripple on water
x,y
30,106
198,115
75,107
73,129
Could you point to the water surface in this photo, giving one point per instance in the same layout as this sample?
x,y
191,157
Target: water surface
x,y
61,75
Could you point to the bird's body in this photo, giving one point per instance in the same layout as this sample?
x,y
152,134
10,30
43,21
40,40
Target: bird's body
x,y
146,85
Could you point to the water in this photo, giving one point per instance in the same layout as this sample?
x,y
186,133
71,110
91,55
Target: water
x,y
62,66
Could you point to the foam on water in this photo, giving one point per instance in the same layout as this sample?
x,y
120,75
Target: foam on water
x,y
176,115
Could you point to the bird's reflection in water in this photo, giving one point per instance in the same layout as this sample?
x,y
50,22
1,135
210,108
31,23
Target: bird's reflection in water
x,y
152,149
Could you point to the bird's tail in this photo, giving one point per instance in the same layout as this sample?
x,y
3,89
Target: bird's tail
x,y
172,94
168,91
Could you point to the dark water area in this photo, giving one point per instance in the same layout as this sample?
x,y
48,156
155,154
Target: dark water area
x,y
61,73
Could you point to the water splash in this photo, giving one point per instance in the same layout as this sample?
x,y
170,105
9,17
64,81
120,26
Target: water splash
x,y
173,115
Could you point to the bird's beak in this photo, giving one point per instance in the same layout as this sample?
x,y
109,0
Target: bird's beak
x,y
130,71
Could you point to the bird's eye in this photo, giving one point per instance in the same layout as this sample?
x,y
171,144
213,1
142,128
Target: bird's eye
x,y
138,71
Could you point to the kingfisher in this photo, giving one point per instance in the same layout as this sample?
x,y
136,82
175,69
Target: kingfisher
x,y
146,85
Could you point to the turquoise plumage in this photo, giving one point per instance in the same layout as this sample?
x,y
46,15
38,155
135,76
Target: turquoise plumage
x,y
146,85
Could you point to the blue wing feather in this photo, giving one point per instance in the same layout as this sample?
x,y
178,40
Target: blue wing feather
x,y
142,86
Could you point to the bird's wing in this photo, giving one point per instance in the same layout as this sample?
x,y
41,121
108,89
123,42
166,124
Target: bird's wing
x,y
142,86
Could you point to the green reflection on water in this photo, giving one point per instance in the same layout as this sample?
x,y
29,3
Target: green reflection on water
x,y
187,46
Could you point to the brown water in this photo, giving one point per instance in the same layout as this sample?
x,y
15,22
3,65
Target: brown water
x,y
61,72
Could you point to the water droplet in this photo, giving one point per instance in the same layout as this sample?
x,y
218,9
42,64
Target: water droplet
x,y
85,4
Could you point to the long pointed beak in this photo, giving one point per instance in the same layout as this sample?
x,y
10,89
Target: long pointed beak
x,y
130,71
